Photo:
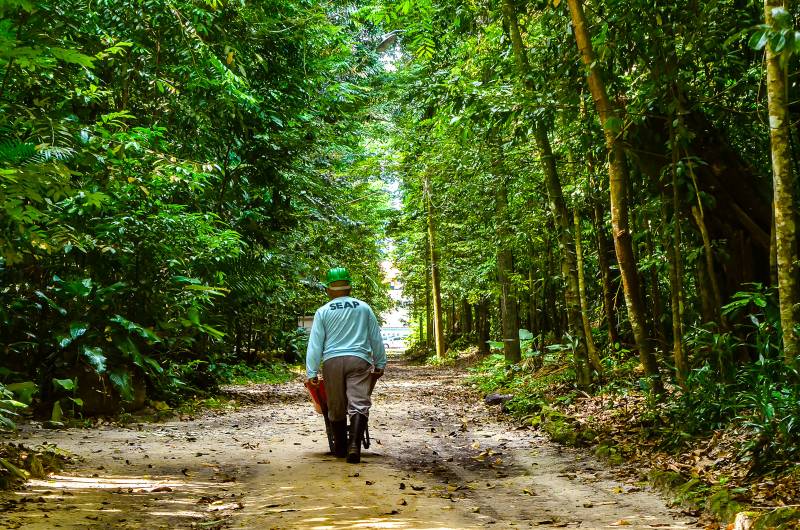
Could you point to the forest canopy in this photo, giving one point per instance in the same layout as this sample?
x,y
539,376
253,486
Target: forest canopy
x,y
174,178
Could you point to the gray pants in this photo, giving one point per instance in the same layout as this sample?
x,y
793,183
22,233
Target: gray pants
x,y
347,383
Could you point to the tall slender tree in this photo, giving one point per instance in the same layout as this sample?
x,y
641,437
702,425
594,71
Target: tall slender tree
x,y
783,185
618,187
436,284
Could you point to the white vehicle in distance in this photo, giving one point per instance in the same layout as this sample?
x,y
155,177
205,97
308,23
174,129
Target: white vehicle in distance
x,y
394,343
394,337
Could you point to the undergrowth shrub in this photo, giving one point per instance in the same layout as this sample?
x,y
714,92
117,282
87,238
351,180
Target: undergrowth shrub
x,y
761,396
239,374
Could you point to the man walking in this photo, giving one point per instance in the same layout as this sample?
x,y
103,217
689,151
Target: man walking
x,y
346,339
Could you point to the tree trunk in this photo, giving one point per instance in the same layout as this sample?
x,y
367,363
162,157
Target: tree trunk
x,y
773,254
594,358
533,317
707,309
549,295
605,276
618,178
466,317
659,325
672,242
505,266
482,326
428,308
708,252
783,192
438,328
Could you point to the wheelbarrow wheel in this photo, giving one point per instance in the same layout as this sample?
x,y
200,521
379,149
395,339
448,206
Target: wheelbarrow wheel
x,y
365,440
329,432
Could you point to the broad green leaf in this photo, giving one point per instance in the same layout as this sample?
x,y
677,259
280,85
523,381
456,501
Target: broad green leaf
x,y
152,363
77,329
133,327
52,304
194,316
12,404
758,40
57,413
23,391
6,423
72,56
778,42
218,291
121,380
96,358
64,384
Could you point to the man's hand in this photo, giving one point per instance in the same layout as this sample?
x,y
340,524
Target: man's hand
x,y
313,381
377,373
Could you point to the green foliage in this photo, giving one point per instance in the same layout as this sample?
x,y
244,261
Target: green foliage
x,y
171,174
781,35
241,374
707,404
769,399
9,407
491,374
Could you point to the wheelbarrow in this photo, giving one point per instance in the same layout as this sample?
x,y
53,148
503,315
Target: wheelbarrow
x,y
319,398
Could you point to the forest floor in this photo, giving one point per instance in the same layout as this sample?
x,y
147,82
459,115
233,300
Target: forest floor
x,y
440,459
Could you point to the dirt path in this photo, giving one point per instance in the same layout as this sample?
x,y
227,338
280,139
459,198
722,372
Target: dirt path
x,y
439,459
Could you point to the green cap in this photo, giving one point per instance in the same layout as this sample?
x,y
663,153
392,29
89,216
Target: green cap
x,y
337,274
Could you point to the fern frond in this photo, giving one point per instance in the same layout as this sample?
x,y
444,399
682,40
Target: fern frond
x,y
14,152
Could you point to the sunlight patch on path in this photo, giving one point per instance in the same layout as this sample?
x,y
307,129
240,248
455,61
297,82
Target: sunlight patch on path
x,y
144,484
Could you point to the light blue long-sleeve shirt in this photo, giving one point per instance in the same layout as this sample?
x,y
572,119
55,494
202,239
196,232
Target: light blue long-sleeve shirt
x,y
344,326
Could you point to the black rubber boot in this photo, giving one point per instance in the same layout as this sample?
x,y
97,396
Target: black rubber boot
x,y
340,438
357,426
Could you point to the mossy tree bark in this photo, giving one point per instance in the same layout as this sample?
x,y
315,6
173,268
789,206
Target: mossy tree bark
x,y
783,191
